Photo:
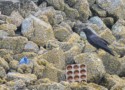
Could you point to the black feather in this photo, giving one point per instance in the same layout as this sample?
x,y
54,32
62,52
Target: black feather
x,y
97,42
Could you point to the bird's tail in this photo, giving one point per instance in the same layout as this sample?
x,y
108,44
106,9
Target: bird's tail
x,y
110,51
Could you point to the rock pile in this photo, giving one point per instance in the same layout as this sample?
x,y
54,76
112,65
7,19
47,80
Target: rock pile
x,y
48,32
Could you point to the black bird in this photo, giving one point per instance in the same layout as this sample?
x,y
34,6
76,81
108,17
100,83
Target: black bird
x,y
97,42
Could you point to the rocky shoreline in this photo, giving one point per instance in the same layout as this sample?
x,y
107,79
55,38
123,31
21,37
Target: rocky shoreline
x,y
48,32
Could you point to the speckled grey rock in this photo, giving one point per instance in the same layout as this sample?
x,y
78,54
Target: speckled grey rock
x,y
37,30
95,67
31,47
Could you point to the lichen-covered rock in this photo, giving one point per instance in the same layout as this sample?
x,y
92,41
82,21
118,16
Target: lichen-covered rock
x,y
27,54
114,8
109,21
61,33
57,4
15,18
50,12
4,87
52,86
31,47
4,64
39,66
97,11
28,78
96,20
7,6
95,67
20,85
9,28
71,12
85,86
3,33
25,68
27,7
53,73
2,72
83,8
118,29
37,30
71,2
91,2
108,36
58,17
113,64
112,82
55,56
13,43
13,65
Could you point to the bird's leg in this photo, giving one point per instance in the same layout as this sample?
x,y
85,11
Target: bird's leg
x,y
96,50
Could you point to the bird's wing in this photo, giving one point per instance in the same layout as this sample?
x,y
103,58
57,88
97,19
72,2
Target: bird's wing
x,y
98,41
106,42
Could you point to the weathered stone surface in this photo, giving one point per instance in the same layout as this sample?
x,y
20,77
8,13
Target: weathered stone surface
x,y
97,11
15,18
52,86
39,66
7,6
25,68
9,28
108,36
109,21
95,67
28,54
61,33
118,29
91,2
71,12
37,30
85,86
13,43
13,64
29,78
31,47
70,54
113,82
53,73
4,64
58,17
114,8
2,72
55,56
57,4
27,7
96,20
71,2
113,65
3,33
83,8
50,12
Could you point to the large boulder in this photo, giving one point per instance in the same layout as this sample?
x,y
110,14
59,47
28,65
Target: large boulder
x,y
28,78
37,30
118,29
95,67
7,6
13,43
57,4
113,82
83,8
115,8
86,86
71,12
55,56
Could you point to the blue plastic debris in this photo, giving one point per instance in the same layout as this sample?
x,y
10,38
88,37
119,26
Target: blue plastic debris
x,y
24,60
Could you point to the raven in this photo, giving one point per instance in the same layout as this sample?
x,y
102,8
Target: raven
x,y
96,41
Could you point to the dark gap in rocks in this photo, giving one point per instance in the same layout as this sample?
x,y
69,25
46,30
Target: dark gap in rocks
x,y
40,1
18,31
